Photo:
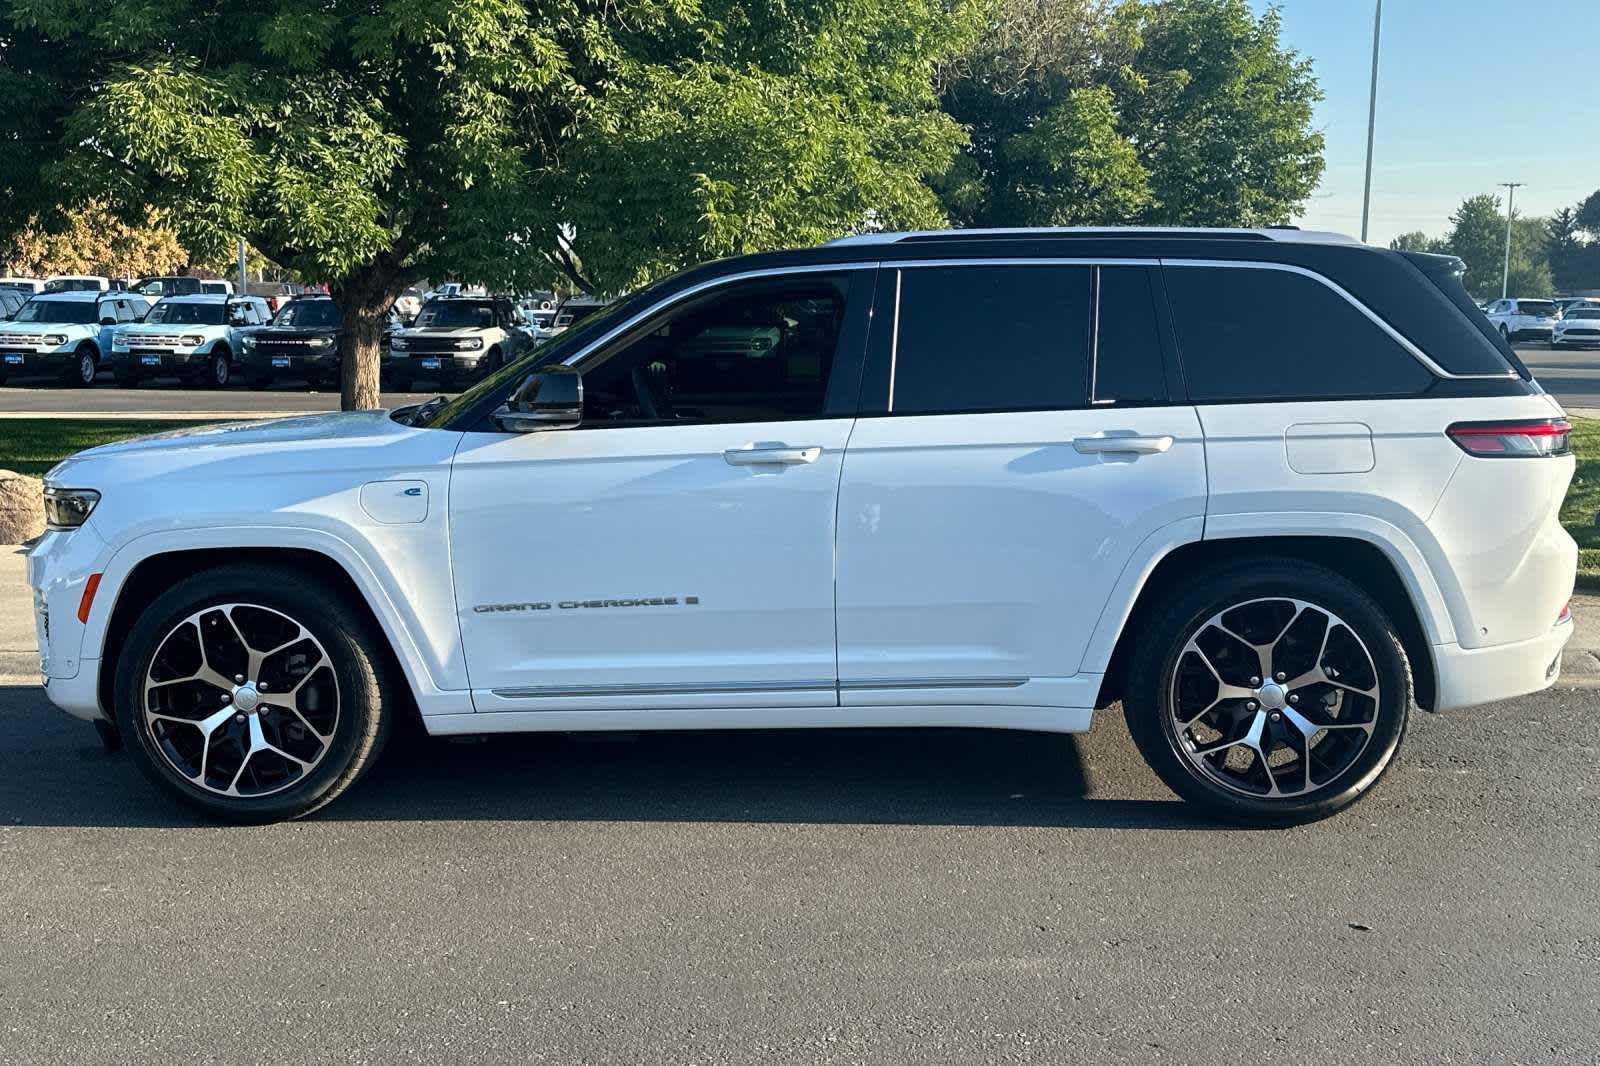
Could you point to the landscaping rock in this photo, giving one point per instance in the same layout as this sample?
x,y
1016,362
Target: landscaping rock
x,y
21,507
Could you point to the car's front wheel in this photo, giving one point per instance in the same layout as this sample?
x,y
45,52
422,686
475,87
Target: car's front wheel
x,y
221,369
85,366
252,693
1273,694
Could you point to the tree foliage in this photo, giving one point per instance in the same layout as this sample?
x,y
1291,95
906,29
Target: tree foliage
x,y
1178,112
500,141
92,240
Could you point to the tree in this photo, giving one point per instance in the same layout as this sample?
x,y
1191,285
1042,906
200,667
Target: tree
x,y
1182,112
1416,241
91,240
1477,235
1588,214
497,141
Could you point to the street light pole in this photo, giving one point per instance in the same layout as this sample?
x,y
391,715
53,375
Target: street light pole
x,y
1372,118
244,277
1511,188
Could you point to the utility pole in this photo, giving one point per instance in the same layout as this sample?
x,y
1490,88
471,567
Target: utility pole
x,y
244,277
1511,188
1372,119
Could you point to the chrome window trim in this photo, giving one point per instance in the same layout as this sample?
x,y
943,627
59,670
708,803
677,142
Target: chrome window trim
x,y
705,286
1417,353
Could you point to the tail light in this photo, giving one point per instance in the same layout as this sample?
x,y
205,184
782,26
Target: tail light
x,y
1513,440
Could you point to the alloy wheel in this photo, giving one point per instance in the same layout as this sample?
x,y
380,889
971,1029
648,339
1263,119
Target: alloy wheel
x,y
1274,698
241,700
86,368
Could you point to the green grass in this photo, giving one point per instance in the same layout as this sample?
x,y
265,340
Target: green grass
x,y
1583,502
34,445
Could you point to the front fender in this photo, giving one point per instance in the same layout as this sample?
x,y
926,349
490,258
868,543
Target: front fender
x,y
428,647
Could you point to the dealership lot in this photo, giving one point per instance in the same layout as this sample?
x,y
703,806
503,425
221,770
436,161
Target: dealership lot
x,y
829,896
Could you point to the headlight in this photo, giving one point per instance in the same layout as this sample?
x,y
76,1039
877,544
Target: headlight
x,y
398,344
469,344
119,339
191,340
248,343
68,508
54,340
320,342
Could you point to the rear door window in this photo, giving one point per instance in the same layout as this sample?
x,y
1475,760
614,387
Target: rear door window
x,y
988,338
1128,363
1261,334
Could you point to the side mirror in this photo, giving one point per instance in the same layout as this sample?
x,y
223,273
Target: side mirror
x,y
549,400
108,320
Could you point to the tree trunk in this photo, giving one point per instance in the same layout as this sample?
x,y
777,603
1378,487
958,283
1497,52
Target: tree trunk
x,y
364,297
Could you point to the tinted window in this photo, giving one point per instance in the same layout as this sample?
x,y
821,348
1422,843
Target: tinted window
x,y
456,314
1261,334
187,314
991,338
1543,308
308,313
70,311
756,353
1128,364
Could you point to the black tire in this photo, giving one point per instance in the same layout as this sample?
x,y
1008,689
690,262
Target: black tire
x,y
85,366
352,651
1152,693
219,369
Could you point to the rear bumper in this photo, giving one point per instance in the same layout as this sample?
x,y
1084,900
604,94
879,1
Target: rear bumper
x,y
1470,676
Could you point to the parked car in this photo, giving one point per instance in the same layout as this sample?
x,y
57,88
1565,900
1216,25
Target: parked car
x,y
11,301
1523,319
1578,328
303,341
23,285
1265,488
76,283
154,288
198,338
573,310
65,334
1564,303
455,339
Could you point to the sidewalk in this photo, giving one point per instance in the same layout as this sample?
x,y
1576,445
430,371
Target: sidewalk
x,y
19,660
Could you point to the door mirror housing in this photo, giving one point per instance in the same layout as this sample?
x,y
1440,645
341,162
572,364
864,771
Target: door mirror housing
x,y
550,399
108,320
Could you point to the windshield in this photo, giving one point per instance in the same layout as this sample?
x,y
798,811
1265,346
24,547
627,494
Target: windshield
x,y
1535,307
308,314
454,314
549,352
76,312
1584,312
175,314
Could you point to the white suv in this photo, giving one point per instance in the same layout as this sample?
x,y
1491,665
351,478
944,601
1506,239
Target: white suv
x,y
66,334
1127,473
1524,319
199,338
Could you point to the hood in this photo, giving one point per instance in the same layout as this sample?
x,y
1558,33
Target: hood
x,y
165,327
38,328
337,426
442,331
295,333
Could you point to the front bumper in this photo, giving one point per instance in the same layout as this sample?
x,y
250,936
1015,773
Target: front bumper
x,y
59,566
1578,341
432,364
159,362
1470,676
35,361
268,361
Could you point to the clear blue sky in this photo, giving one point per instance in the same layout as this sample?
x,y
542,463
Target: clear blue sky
x,y
1470,93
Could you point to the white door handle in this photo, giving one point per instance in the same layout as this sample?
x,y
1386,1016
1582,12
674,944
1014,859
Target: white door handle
x,y
1121,445
763,454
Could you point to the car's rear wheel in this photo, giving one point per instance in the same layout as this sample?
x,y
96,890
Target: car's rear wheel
x,y
252,693
1272,694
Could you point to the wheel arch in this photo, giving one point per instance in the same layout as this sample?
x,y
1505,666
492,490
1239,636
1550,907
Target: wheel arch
x,y
161,569
1362,561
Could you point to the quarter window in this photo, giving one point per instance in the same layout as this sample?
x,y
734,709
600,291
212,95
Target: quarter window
x,y
1252,333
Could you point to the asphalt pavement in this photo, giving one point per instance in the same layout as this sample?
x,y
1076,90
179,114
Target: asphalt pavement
x,y
883,896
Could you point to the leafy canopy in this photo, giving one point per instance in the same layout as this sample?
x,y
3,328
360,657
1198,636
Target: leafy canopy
x,y
501,141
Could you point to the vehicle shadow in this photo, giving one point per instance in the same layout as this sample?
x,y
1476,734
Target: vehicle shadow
x,y
53,772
